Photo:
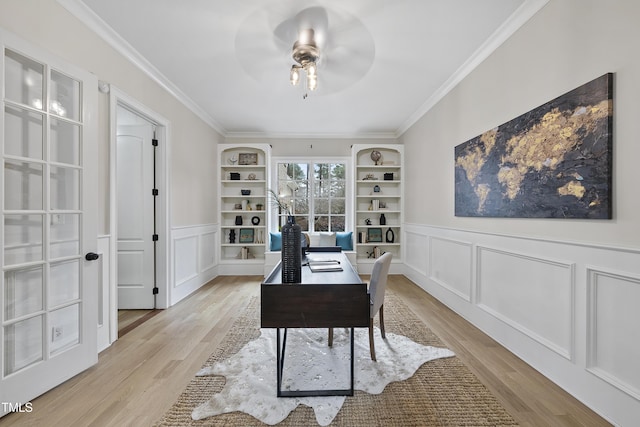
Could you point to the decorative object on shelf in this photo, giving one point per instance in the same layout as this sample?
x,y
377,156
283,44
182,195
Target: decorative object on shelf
x,y
291,251
247,159
375,253
233,159
255,220
245,203
238,219
390,236
376,188
367,221
232,236
383,219
382,205
245,192
251,176
388,176
374,235
234,176
245,253
369,177
237,206
376,156
259,236
259,206
362,237
246,235
376,204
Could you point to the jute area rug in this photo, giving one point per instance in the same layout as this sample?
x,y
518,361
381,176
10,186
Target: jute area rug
x,y
442,392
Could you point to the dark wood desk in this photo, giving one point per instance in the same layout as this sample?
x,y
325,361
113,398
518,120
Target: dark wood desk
x,y
331,299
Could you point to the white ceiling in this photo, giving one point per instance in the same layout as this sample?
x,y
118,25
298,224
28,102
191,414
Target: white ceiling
x,y
203,50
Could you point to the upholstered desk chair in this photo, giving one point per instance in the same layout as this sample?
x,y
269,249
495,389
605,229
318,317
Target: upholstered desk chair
x,y
377,287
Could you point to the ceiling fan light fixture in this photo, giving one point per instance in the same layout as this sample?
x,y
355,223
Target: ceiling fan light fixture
x,y
294,77
312,82
311,69
306,55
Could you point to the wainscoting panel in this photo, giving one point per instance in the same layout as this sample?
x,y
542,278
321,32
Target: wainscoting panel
x,y
194,259
531,294
416,247
450,265
186,259
568,309
208,250
614,340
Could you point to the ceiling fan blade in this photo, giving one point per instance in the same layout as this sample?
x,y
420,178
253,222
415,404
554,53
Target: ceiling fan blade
x,y
315,18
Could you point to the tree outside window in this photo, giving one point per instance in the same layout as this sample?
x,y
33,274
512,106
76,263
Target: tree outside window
x,y
315,193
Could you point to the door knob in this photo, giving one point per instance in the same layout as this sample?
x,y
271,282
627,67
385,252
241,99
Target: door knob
x,y
91,256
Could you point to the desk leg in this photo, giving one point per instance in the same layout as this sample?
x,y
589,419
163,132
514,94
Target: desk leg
x,y
280,359
352,358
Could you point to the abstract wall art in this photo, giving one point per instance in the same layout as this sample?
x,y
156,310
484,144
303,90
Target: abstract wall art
x,y
553,162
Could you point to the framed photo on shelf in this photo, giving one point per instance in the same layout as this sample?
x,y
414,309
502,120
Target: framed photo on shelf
x,y
246,235
374,235
248,159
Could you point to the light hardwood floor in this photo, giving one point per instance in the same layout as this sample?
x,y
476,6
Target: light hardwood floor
x,y
140,376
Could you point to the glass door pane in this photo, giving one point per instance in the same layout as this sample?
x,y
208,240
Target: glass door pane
x,y
65,96
23,133
24,80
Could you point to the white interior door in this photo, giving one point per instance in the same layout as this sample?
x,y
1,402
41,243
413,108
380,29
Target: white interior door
x,y
48,300
135,173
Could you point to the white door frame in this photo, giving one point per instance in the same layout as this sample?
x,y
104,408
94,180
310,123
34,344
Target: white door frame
x,y
118,97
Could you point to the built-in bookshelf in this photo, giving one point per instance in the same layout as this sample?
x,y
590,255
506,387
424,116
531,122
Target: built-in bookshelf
x,y
378,201
243,203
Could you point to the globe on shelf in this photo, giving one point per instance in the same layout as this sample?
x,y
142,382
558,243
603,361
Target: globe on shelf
x,y
375,156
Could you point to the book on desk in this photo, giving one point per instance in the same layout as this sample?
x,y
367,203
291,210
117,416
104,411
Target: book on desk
x,y
318,266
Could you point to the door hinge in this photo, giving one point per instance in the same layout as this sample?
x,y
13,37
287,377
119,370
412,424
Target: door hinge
x,y
155,237
154,192
155,290
154,142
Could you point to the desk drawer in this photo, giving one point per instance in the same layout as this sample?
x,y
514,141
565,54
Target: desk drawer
x,y
314,306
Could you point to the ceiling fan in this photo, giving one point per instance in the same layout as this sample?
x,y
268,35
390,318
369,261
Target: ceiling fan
x,y
331,46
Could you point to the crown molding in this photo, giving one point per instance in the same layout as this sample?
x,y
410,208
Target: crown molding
x,y
528,9
267,135
88,17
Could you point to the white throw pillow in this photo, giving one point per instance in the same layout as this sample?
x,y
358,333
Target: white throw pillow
x,y
314,240
327,239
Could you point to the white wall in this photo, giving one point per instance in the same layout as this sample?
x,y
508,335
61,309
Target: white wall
x,y
47,24
561,294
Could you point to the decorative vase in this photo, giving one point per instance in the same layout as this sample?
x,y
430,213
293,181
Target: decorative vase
x,y
238,219
383,219
291,252
232,236
390,236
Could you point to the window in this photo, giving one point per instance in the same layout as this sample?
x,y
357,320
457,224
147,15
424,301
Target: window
x,y
315,193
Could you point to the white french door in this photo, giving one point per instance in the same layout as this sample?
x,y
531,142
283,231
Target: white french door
x,y
48,229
